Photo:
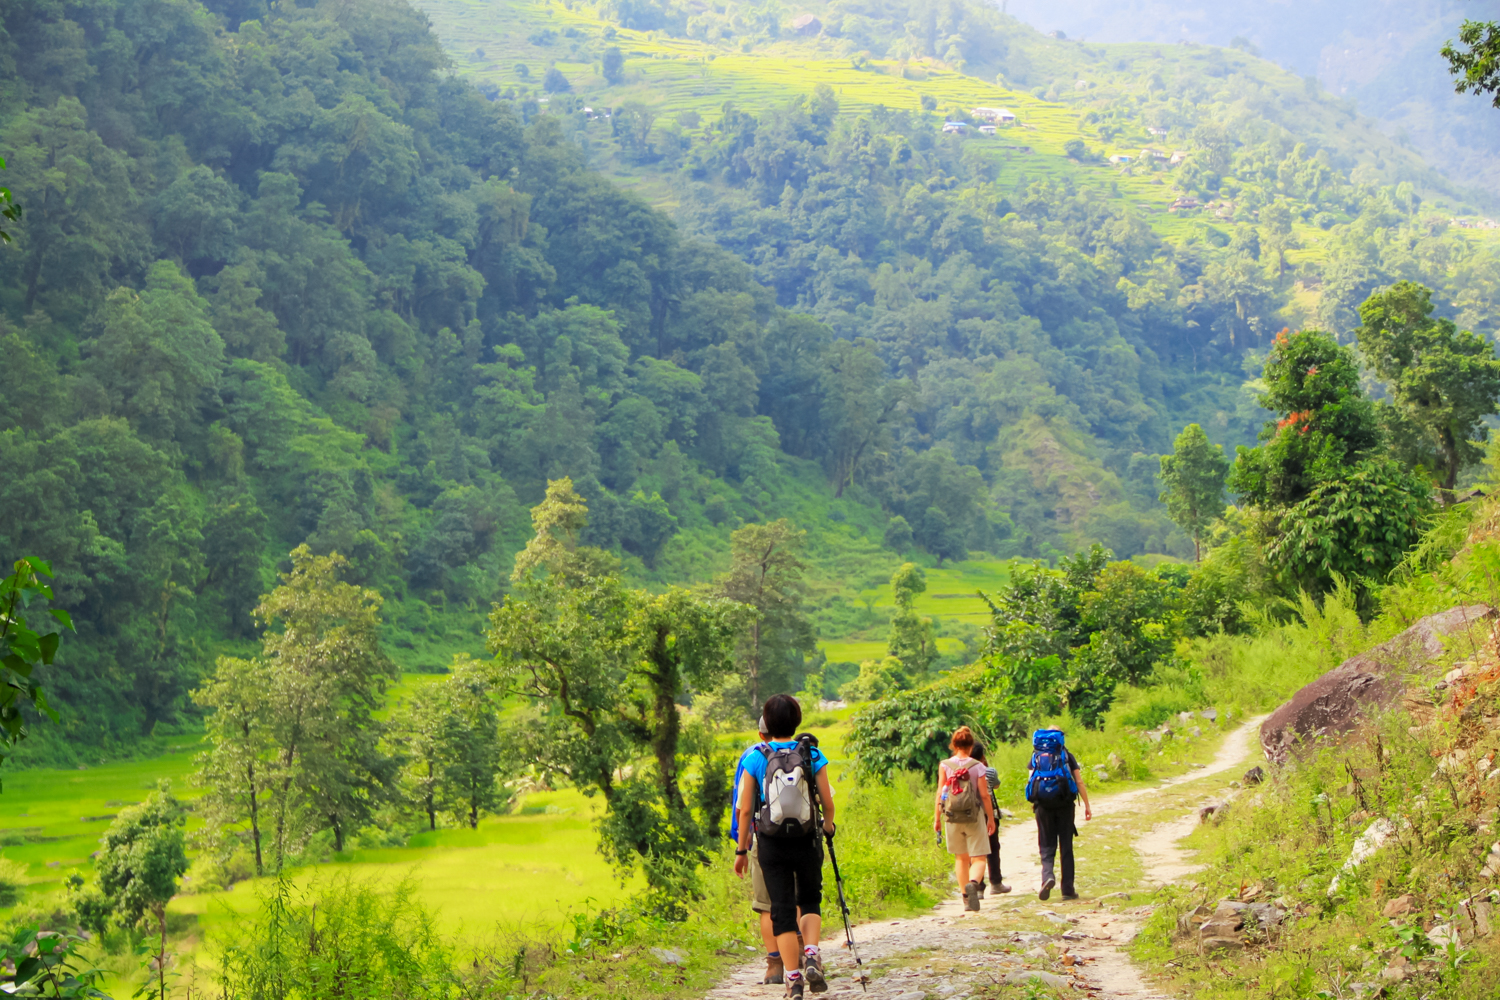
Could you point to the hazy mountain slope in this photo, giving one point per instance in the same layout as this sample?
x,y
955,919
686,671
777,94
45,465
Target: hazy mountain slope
x,y
1383,54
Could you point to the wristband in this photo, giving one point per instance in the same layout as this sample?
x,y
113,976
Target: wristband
x,y
741,854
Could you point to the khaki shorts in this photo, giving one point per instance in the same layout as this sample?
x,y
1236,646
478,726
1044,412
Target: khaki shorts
x,y
968,838
760,899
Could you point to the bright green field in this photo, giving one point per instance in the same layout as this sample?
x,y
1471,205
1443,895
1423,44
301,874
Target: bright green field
x,y
529,868
525,870
60,815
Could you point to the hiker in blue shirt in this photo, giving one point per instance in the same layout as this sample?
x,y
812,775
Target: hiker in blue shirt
x,y
1052,802
783,793
760,902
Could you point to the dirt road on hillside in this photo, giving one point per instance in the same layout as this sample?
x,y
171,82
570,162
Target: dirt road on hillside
x,y
948,954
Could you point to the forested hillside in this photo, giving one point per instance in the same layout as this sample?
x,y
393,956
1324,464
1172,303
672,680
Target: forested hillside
x,y
1056,314
1378,54
286,280
284,275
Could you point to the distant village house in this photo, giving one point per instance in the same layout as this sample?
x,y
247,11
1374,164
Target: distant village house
x,y
997,116
806,24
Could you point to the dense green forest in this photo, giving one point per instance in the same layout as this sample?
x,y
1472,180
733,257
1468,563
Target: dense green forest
x,y
283,277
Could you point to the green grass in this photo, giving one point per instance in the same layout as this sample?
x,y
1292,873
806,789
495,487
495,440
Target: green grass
x,y
51,820
528,869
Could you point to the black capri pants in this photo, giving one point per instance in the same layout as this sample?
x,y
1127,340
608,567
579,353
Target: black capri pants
x,y
793,871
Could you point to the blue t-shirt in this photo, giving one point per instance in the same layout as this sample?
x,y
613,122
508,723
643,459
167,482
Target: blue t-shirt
x,y
734,796
753,761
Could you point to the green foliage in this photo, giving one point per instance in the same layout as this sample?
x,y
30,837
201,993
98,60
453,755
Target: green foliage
x,y
22,650
9,210
612,64
1442,380
1330,505
293,741
766,574
143,854
12,882
456,756
44,966
912,641
304,945
1192,479
907,731
1478,66
608,665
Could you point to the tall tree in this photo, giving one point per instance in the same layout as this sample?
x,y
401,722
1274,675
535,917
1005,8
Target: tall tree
x,y
859,403
470,745
1442,379
613,64
610,665
1327,501
327,673
233,770
911,641
1192,480
765,574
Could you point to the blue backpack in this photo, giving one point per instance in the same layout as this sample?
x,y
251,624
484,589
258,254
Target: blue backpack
x,y
1051,782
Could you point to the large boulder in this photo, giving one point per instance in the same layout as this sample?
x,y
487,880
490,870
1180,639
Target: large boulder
x,y
1331,705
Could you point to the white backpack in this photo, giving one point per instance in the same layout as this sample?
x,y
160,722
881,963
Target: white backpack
x,y
787,798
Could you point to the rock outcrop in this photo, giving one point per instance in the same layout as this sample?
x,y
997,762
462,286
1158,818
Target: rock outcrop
x,y
1332,705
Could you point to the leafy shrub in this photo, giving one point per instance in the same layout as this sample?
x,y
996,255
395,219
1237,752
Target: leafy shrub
x,y
12,882
345,925
908,731
1157,706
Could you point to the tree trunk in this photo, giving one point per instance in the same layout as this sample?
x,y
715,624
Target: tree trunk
x,y
473,814
254,817
755,665
338,833
668,721
431,806
161,956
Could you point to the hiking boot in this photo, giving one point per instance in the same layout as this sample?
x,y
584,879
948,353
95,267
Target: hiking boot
x,y
1047,885
794,986
812,971
775,971
999,887
971,897
1069,895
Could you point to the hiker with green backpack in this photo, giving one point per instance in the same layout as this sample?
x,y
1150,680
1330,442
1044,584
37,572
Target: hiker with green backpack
x,y
963,801
1054,781
785,800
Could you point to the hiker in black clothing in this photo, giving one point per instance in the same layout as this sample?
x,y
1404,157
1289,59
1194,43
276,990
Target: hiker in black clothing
x,y
781,798
1055,827
992,778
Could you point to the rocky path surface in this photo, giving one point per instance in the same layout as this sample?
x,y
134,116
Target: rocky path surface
x,y
1070,946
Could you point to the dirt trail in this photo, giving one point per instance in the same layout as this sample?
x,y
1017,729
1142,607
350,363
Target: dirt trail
x,y
947,954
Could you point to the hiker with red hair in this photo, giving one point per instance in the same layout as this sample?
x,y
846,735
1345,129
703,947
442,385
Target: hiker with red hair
x,y
963,803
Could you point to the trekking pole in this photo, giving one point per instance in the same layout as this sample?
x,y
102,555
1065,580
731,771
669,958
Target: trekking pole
x,y
838,881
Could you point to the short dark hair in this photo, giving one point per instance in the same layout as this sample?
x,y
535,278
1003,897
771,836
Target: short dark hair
x,y
783,715
978,753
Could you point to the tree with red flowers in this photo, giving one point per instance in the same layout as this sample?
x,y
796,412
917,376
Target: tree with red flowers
x,y
1327,500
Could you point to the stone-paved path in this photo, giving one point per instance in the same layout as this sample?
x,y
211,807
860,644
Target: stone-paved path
x,y
1074,946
